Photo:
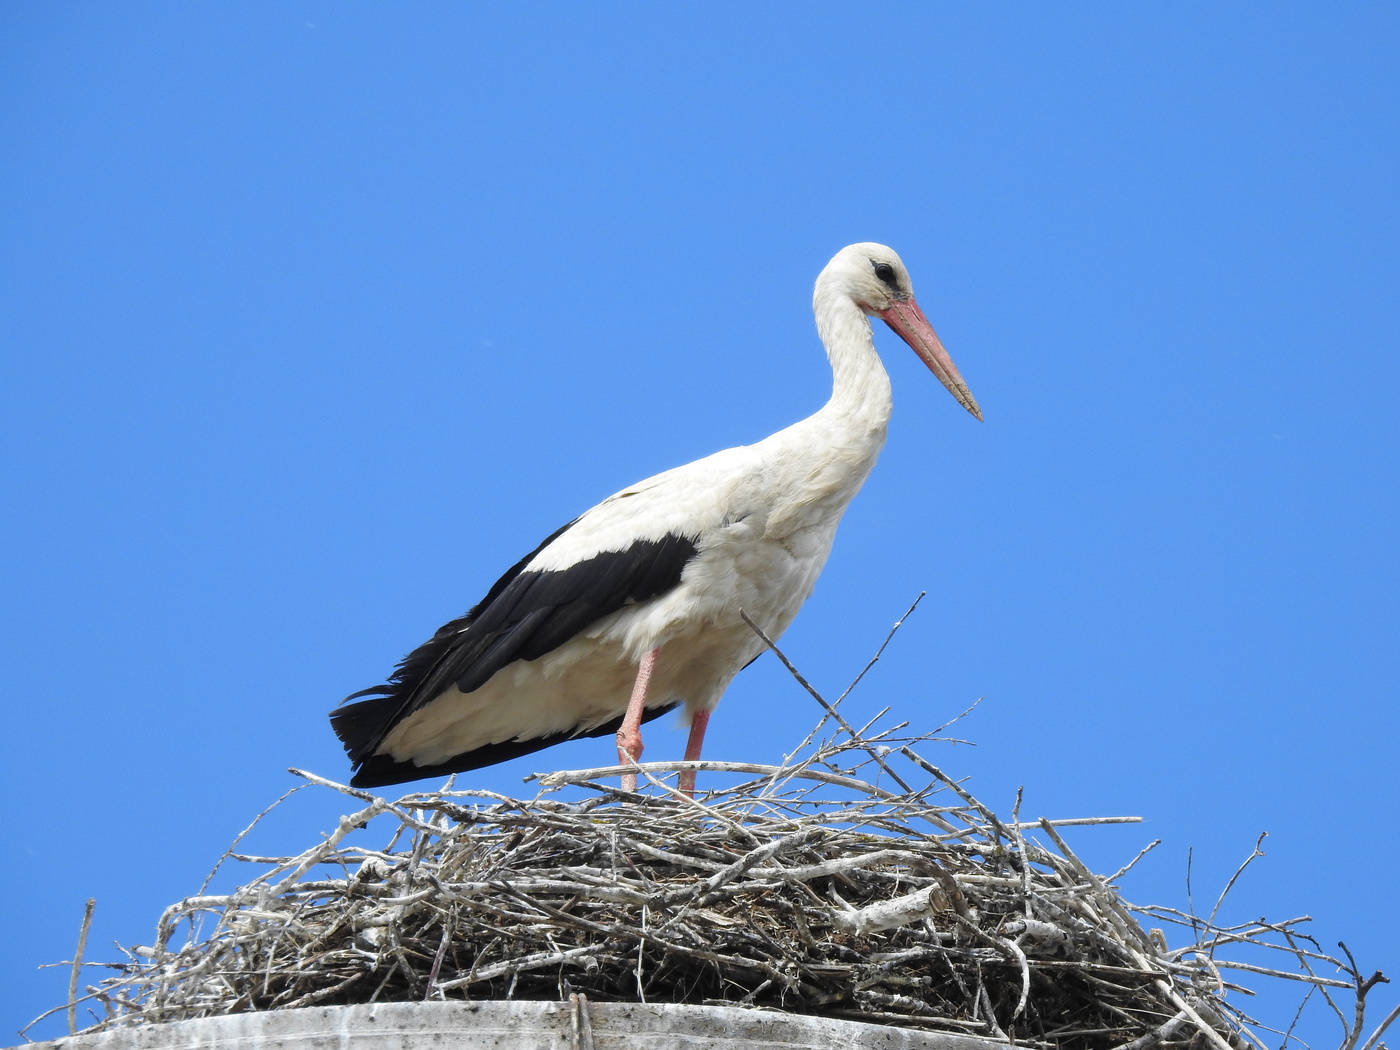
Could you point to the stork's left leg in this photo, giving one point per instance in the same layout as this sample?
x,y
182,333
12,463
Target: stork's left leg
x,y
629,734
698,722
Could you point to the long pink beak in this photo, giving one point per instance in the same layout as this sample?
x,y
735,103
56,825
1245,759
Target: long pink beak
x,y
905,317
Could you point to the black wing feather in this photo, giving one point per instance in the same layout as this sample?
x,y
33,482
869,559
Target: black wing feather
x,y
523,616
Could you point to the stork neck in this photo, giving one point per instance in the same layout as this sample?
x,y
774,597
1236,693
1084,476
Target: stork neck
x,y
860,389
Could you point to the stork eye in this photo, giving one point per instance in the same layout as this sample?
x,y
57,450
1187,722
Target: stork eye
x,y
885,272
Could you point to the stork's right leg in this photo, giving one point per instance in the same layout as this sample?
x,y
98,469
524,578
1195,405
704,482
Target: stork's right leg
x,y
629,734
698,722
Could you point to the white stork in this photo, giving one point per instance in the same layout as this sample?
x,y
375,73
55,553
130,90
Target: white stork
x,y
633,608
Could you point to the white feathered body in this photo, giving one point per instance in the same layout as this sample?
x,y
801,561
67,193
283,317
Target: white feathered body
x,y
763,517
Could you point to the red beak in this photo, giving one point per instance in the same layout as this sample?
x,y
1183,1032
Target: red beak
x,y
905,317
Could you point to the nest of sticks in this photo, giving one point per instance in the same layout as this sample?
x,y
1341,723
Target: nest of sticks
x,y
854,880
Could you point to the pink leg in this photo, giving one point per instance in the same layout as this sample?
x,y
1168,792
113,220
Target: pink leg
x,y
698,722
629,734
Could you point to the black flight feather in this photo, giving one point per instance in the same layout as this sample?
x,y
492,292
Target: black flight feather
x,y
523,616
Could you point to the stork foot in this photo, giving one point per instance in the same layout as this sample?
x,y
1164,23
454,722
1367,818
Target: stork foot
x,y
629,752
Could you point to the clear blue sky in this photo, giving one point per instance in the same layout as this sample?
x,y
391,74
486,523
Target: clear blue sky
x,y
319,315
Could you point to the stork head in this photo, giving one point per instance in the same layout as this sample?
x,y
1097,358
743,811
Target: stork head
x,y
875,280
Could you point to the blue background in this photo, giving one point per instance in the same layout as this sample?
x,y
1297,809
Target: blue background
x,y
318,316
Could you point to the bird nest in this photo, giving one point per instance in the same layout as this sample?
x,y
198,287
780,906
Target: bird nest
x,y
857,880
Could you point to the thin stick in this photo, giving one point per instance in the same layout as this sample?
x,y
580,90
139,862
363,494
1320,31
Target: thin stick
x,y
880,651
1390,1019
1163,1031
228,853
78,966
1132,863
828,708
582,776
811,735
1306,978
1257,852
